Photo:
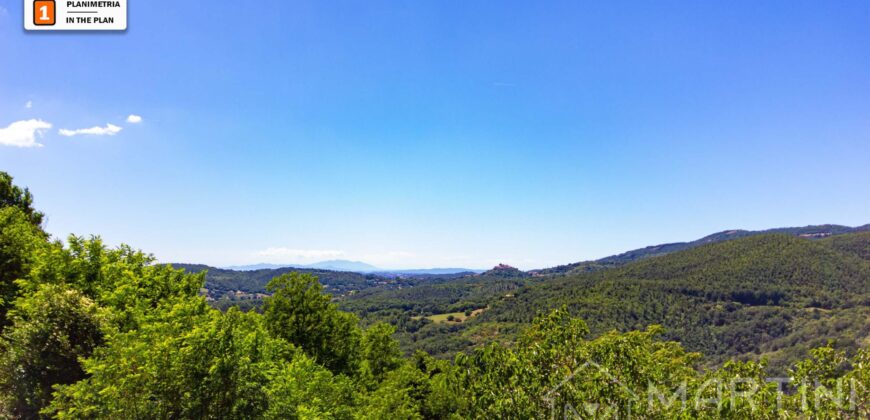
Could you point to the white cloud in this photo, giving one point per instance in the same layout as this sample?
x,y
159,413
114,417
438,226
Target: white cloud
x,y
28,104
23,133
108,130
134,119
279,254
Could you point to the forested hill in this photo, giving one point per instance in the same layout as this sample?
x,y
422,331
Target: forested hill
x,y
219,282
249,286
775,295
857,245
810,232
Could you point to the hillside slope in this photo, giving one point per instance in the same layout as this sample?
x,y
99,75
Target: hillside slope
x,y
219,282
774,295
856,244
810,232
231,287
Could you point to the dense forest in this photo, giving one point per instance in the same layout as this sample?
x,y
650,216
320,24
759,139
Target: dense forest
x,y
89,331
772,295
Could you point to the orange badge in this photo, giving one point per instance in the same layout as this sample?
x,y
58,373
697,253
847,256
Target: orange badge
x,y
43,12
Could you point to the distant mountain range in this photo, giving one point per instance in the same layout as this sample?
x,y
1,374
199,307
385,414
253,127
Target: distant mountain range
x,y
353,267
250,285
812,232
334,265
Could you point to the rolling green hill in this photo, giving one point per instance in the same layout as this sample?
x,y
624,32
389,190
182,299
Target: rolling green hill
x,y
809,232
857,244
774,295
732,294
220,281
246,289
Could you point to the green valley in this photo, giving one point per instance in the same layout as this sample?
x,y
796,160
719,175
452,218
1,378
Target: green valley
x,y
91,331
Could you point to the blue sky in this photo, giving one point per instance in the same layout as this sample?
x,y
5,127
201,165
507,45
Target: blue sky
x,y
448,133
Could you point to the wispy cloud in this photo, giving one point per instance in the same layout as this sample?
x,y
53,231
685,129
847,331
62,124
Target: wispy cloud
x,y
23,133
134,119
280,254
108,130
28,104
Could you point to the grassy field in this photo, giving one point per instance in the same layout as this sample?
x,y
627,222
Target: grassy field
x,y
457,317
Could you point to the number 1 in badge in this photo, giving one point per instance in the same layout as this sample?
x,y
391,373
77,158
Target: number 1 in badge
x,y
43,12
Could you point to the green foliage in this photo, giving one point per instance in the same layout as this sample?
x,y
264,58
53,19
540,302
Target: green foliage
x,y
401,395
760,295
553,366
857,244
825,383
188,361
123,279
52,328
54,323
305,389
20,236
380,352
300,313
19,241
765,295
412,309
13,196
618,375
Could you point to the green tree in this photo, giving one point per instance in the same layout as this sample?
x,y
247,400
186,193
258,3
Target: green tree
x,y
52,329
401,395
304,389
380,352
553,365
124,280
187,361
13,196
20,234
19,241
300,313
